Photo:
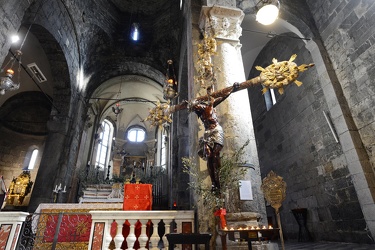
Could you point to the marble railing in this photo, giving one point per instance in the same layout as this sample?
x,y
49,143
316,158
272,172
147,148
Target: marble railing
x,y
10,227
108,225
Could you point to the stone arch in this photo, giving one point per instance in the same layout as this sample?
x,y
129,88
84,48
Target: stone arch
x,y
18,113
62,58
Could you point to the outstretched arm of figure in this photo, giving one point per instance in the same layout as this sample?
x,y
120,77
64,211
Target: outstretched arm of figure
x,y
227,93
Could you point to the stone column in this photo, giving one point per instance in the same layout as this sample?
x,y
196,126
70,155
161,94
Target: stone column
x,y
53,161
234,113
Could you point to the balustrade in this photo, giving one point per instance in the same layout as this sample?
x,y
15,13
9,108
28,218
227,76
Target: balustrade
x,y
102,226
10,227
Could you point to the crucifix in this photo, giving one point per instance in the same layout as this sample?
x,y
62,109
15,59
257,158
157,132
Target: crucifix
x,y
275,76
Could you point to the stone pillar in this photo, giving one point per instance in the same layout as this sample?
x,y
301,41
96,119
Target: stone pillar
x,y
53,161
234,113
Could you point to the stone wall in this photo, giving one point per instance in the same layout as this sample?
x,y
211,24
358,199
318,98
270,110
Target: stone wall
x,y
295,141
347,30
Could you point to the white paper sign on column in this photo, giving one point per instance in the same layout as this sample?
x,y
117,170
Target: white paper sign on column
x,y
246,193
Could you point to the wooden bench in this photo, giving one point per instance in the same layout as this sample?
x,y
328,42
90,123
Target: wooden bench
x,y
191,238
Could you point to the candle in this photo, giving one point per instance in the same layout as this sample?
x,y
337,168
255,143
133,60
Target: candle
x,y
64,189
59,187
55,189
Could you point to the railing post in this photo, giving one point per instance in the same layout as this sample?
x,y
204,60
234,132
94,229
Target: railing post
x,y
119,238
155,236
143,238
107,237
131,237
167,231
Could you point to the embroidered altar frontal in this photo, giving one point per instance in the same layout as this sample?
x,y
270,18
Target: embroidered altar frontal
x,y
137,197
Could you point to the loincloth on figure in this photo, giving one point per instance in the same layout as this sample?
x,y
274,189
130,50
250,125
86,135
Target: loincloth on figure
x,y
209,138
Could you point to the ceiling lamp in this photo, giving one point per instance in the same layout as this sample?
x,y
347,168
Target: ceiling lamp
x,y
6,82
170,86
268,11
117,110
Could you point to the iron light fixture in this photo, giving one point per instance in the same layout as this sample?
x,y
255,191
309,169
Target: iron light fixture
x,y
6,82
170,87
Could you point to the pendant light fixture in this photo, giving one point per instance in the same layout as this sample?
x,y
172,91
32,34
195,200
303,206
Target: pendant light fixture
x,y
6,81
170,86
117,110
268,11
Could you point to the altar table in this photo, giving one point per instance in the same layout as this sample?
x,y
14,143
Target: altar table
x,y
137,197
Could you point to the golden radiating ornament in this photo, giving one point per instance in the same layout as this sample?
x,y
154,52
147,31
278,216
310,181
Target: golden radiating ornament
x,y
280,74
160,114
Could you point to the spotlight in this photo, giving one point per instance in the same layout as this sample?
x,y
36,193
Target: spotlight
x,y
268,11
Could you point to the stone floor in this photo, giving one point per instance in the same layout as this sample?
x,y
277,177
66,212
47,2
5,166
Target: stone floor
x,y
326,246
294,245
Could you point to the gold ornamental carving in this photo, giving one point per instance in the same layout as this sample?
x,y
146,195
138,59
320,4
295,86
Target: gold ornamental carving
x,y
19,188
274,188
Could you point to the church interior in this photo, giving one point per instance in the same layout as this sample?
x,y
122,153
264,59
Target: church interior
x,y
97,95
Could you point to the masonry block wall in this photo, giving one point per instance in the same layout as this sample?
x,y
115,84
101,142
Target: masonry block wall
x,y
295,141
347,29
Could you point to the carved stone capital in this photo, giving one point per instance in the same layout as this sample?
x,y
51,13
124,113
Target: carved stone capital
x,y
222,22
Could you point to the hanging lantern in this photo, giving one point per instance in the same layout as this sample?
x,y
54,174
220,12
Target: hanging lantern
x,y
170,86
6,82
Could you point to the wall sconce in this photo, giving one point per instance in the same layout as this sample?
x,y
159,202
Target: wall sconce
x,y
6,82
170,86
268,11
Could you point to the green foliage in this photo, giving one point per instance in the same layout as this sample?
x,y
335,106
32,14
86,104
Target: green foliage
x,y
229,173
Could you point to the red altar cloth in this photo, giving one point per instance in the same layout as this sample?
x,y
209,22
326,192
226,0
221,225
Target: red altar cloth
x,y
137,197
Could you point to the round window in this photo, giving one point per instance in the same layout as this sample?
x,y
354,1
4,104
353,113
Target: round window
x,y
136,134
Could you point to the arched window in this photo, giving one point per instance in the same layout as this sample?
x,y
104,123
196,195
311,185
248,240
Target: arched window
x,y
136,134
32,161
163,150
104,146
270,98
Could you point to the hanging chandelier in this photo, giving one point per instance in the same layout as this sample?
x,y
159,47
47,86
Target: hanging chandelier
x,y
268,11
170,86
6,81
116,109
